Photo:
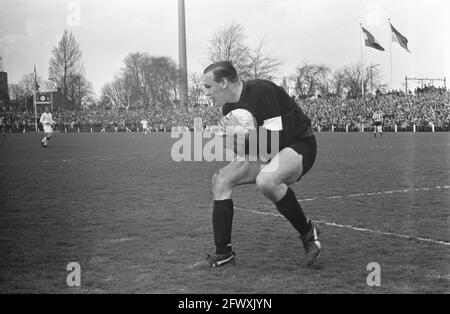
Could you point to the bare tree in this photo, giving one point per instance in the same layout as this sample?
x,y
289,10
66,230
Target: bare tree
x,y
353,76
197,94
337,83
15,92
66,68
311,78
134,79
374,78
28,83
80,91
114,94
48,85
1,63
357,78
145,81
23,91
227,44
261,65
162,77
151,81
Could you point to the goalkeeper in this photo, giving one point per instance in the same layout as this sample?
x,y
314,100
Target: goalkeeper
x,y
271,108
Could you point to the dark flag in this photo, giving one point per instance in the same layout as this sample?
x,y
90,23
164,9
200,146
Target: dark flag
x,y
370,40
399,38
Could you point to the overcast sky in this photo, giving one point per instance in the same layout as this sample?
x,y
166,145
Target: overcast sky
x,y
318,31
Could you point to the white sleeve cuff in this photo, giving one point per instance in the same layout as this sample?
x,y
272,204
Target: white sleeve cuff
x,y
273,124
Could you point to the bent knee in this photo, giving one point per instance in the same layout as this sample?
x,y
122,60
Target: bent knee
x,y
221,187
220,181
266,183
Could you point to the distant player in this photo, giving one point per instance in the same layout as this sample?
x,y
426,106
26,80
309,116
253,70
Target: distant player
x,y
2,125
47,123
377,122
145,126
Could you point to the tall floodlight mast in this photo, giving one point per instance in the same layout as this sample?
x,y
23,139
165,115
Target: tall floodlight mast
x,y
182,54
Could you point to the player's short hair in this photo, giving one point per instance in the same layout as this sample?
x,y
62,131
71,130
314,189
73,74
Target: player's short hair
x,y
221,70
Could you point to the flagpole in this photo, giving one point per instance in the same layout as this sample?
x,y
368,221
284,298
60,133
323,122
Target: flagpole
x,y
362,59
34,101
390,51
35,112
360,40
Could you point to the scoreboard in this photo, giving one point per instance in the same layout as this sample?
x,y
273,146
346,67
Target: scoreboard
x,y
43,98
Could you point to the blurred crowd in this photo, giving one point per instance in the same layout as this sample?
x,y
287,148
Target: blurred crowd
x,y
120,119
420,109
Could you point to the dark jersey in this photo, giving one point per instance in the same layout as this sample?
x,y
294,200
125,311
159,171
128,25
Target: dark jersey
x,y
266,100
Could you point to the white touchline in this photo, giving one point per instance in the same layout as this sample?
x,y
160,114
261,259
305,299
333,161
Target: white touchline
x,y
384,233
376,193
333,224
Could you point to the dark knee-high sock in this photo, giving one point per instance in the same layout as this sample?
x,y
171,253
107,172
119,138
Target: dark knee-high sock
x,y
222,218
289,207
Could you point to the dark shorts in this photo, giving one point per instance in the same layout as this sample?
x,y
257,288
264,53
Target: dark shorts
x,y
377,124
307,147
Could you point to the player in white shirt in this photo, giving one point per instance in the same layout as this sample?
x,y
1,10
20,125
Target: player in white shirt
x,y
47,123
145,126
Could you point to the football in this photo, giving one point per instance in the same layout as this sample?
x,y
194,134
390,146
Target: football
x,y
239,121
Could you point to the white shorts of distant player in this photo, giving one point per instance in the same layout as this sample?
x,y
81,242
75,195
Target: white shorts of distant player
x,y
48,130
378,127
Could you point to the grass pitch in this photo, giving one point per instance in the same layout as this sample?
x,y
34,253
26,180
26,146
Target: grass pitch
x,y
135,220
